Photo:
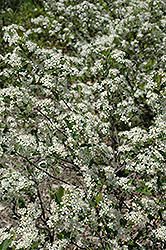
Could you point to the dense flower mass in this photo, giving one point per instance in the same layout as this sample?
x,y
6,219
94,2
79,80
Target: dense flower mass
x,y
83,125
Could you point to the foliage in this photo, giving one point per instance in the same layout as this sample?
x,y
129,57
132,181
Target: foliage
x,y
83,125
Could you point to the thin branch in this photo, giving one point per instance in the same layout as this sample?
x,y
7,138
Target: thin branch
x,y
40,199
42,170
51,122
56,93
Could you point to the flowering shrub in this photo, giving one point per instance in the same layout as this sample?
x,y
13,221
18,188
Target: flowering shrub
x,y
83,127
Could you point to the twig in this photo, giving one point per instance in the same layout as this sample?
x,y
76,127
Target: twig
x,y
51,122
42,170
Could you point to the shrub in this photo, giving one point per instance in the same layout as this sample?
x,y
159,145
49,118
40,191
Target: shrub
x,y
83,127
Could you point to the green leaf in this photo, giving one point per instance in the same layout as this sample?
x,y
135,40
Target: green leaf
x,y
63,235
69,125
92,203
144,235
58,198
19,32
98,198
130,181
43,165
21,202
79,174
123,222
25,65
129,228
5,244
150,63
61,191
34,246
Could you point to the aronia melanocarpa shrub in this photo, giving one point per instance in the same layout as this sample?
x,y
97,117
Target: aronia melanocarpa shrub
x,y
83,127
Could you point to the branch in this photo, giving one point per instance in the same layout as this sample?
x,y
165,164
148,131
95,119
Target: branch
x,y
42,170
51,122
